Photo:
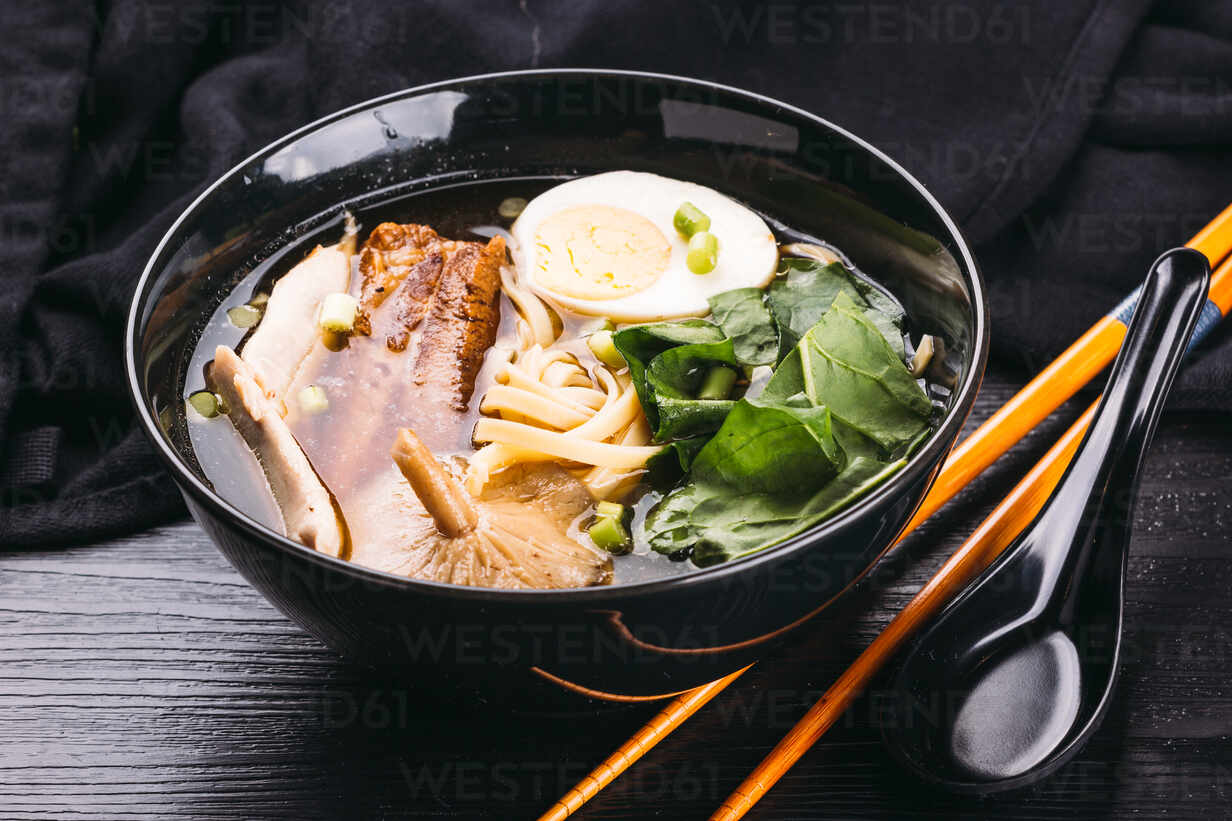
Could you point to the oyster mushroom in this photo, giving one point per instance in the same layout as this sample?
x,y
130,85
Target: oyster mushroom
x,y
514,536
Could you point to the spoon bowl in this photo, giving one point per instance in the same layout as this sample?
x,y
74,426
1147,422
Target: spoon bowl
x,y
1016,674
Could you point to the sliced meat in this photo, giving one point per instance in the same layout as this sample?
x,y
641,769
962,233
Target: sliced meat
x,y
388,257
309,513
288,330
461,324
412,300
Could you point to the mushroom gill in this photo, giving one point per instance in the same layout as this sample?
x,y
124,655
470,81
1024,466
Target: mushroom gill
x,y
516,535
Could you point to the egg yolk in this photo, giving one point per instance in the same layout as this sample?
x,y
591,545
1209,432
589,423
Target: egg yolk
x,y
599,252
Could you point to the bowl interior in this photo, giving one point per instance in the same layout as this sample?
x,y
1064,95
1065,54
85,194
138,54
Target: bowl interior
x,y
794,168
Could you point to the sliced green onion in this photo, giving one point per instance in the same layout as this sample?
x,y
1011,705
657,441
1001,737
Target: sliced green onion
x,y
703,253
610,535
312,400
690,219
590,327
611,510
205,403
718,383
604,349
511,207
244,316
338,313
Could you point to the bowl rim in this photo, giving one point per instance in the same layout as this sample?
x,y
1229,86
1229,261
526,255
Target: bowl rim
x,y
931,453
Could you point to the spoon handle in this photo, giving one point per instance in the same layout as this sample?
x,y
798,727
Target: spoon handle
x,y
1102,479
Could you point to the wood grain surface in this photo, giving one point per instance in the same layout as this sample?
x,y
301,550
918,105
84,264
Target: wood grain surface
x,y
142,678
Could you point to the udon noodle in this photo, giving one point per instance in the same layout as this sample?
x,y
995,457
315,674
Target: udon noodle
x,y
552,401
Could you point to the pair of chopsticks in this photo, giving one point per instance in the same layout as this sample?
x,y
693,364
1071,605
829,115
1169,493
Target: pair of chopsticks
x,y
1051,388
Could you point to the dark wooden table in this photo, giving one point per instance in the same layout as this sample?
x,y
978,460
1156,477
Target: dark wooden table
x,y
142,678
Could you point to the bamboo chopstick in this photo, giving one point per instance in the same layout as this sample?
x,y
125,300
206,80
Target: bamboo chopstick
x,y
1040,397
994,535
1059,381
659,727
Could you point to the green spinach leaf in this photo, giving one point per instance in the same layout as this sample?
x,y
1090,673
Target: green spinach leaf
x,y
807,289
668,362
720,522
745,319
845,363
669,466
770,448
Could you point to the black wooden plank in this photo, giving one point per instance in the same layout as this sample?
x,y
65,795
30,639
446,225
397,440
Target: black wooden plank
x,y
142,678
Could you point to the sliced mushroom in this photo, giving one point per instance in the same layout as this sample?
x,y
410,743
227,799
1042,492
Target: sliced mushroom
x,y
310,514
515,536
810,251
922,357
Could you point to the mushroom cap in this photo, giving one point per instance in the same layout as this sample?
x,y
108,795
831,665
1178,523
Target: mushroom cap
x,y
522,536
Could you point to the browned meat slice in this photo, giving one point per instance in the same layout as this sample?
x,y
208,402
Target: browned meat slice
x,y
462,323
412,300
309,513
388,257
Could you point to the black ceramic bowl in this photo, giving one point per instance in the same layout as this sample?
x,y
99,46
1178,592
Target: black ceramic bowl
x,y
635,639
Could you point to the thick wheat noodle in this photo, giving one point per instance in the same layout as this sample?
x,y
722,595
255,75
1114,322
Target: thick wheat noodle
x,y
619,413
550,408
563,446
572,398
494,458
611,419
606,483
548,411
530,306
589,397
561,374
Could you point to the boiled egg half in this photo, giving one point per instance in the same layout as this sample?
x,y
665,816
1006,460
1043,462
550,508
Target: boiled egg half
x,y
605,245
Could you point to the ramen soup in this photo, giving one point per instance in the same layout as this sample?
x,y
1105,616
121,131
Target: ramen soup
x,y
531,384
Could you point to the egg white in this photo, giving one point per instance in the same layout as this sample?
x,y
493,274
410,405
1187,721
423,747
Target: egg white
x,y
748,253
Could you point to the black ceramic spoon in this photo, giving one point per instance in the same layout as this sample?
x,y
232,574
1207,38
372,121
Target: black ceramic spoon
x,y
1017,672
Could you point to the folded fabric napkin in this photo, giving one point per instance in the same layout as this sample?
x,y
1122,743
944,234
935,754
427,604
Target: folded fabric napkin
x,y
1073,141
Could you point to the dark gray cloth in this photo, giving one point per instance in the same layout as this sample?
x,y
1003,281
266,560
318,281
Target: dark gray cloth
x,y
1074,141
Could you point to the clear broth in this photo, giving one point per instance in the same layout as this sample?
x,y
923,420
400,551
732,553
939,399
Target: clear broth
x,y
453,212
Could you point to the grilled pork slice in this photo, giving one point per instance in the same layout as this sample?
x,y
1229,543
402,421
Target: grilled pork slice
x,y
461,324
309,513
411,270
412,300
389,258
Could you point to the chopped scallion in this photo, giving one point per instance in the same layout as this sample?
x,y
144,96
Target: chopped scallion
x,y
511,207
690,220
338,313
611,510
312,400
244,316
604,349
609,534
703,253
718,383
205,403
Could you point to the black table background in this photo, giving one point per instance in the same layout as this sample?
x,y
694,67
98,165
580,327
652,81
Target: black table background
x,y
142,678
